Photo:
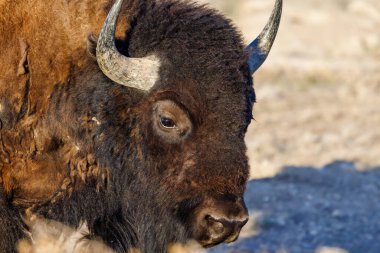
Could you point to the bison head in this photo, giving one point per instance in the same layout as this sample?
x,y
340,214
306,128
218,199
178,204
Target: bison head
x,y
192,75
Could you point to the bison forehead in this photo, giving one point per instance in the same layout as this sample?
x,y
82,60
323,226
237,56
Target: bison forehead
x,y
198,44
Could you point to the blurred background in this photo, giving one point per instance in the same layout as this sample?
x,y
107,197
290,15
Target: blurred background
x,y
319,90
314,147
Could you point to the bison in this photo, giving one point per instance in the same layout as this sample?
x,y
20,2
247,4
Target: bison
x,y
135,128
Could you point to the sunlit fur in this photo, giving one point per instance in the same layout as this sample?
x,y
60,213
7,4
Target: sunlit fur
x,y
76,147
54,237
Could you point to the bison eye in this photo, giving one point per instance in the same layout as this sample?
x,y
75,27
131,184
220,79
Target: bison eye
x,y
167,122
170,122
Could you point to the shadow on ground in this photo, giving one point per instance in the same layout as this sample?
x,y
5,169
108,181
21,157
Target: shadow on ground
x,y
304,208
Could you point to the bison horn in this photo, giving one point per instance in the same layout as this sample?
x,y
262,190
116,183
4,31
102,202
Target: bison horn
x,y
139,73
260,47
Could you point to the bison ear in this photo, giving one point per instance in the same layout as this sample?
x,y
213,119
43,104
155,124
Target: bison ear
x,y
259,49
139,73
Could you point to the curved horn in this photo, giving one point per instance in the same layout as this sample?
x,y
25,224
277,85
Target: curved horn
x,y
260,47
140,73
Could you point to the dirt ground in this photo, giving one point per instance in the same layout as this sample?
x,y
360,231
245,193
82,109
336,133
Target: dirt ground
x,y
318,102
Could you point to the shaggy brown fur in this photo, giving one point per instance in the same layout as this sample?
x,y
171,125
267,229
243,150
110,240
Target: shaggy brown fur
x,y
74,146
54,237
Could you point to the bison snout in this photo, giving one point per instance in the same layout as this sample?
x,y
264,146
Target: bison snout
x,y
221,223
224,230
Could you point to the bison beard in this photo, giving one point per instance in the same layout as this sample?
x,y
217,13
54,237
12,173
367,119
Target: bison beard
x,y
143,142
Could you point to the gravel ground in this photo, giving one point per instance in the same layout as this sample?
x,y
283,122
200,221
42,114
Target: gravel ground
x,y
331,209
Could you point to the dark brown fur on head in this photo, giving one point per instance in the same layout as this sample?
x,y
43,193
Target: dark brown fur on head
x,y
203,71
120,168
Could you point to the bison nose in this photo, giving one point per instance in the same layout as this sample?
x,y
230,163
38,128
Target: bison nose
x,y
223,229
221,222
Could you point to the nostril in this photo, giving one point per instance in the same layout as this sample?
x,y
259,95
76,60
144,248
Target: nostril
x,y
220,222
219,227
215,225
243,222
